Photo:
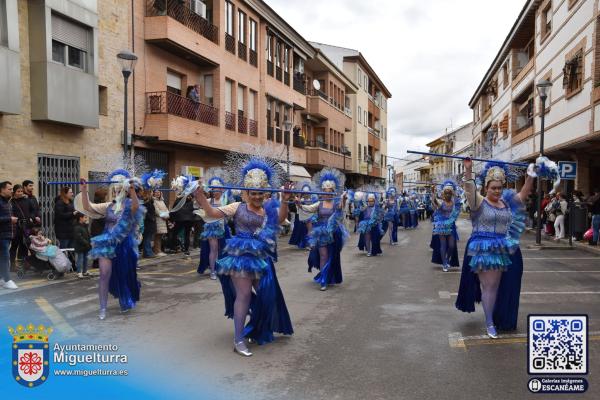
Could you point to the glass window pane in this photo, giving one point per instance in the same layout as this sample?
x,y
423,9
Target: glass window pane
x,y
76,58
58,52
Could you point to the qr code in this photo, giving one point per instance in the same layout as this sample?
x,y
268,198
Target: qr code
x,y
557,344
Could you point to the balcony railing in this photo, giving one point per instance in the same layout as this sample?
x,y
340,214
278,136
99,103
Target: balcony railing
x,y
229,121
229,43
171,103
242,124
252,127
318,143
270,68
242,51
181,12
253,58
299,85
299,141
278,73
286,78
320,93
270,133
278,135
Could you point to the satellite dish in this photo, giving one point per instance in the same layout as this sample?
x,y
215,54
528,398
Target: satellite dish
x,y
316,85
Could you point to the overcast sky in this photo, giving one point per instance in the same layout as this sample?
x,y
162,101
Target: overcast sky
x,y
431,54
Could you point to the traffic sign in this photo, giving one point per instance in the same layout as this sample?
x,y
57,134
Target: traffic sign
x,y
568,169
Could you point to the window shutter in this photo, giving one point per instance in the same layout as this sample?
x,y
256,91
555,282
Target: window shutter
x,y
173,80
70,33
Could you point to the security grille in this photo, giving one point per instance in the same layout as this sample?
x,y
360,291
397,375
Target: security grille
x,y
156,160
54,168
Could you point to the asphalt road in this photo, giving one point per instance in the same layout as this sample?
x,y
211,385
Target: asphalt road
x,y
390,331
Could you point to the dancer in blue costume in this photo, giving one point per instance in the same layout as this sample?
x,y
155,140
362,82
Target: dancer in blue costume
x,y
412,210
216,230
493,265
299,236
370,227
444,236
117,247
358,205
249,260
392,215
404,210
328,232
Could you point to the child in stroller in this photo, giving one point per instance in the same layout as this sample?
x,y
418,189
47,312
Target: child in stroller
x,y
44,256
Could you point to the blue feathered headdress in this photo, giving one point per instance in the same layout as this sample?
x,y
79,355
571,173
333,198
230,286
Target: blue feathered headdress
x,y
258,173
153,180
497,171
118,173
330,178
392,191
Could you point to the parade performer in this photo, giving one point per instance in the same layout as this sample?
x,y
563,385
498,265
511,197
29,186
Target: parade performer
x,y
358,205
493,265
412,209
249,259
392,215
117,247
216,230
370,226
299,236
444,235
404,210
328,232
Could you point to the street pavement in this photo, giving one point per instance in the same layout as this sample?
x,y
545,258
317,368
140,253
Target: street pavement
x,y
390,331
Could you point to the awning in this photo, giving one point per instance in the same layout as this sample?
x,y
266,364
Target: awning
x,y
297,172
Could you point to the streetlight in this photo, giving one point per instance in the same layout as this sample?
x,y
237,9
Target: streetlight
x,y
127,60
287,127
543,89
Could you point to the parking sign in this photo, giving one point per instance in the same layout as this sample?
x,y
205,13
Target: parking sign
x,y
568,169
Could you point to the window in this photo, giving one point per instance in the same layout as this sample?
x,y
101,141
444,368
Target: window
x,y
546,20
505,77
277,115
277,53
252,104
174,82
252,35
573,74
241,27
366,118
229,18
366,83
208,89
524,112
269,48
3,24
359,151
365,152
286,59
70,42
359,114
359,77
102,100
240,99
228,95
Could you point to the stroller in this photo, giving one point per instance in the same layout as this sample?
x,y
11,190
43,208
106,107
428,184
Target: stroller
x,y
51,262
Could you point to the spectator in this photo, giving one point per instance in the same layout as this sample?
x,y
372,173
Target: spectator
x,y
547,217
97,225
64,218
20,209
184,221
149,224
34,205
193,92
560,210
82,244
7,223
162,214
594,203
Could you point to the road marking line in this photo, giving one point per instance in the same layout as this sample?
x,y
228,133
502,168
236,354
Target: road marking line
x,y
57,320
168,273
561,258
544,272
82,311
75,301
456,340
444,294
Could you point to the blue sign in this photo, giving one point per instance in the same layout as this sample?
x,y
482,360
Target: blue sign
x,y
568,169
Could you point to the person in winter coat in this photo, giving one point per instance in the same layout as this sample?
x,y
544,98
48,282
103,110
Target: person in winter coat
x,y
7,231
82,243
34,205
21,210
149,225
184,221
64,218
162,216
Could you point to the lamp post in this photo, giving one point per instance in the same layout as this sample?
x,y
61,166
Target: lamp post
x,y
543,88
127,60
287,127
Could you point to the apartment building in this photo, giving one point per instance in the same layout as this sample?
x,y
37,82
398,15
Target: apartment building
x,y
368,106
558,41
255,77
62,90
455,142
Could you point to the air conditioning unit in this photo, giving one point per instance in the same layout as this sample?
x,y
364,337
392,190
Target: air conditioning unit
x,y
198,7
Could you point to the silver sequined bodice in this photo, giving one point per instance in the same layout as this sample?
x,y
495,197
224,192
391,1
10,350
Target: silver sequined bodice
x,y
491,220
247,221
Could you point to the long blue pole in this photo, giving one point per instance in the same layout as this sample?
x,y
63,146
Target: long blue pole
x,y
516,164
269,190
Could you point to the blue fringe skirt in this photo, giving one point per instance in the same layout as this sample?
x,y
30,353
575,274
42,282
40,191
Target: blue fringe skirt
x,y
299,233
331,273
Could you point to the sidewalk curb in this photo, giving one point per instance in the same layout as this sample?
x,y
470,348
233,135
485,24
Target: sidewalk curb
x,y
554,246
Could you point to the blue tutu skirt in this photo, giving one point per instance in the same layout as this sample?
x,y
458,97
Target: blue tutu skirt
x,y
331,273
489,251
506,310
268,311
320,235
299,233
204,263
123,283
436,257
213,230
376,235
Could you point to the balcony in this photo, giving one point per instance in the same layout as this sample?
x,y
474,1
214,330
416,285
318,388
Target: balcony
x,y
299,85
242,123
229,121
242,51
229,43
286,78
299,142
182,13
278,135
270,68
375,171
270,133
374,140
317,156
252,127
253,58
278,73
173,104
